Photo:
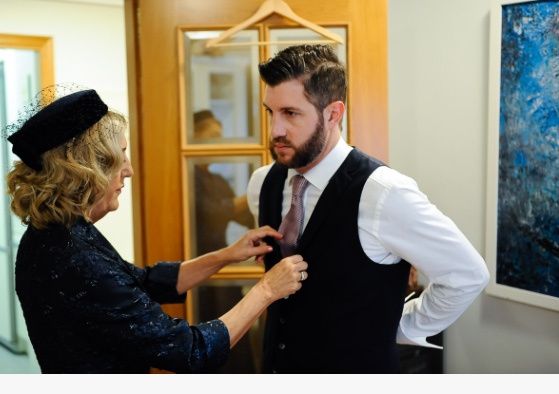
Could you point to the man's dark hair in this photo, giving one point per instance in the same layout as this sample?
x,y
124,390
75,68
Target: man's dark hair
x,y
318,68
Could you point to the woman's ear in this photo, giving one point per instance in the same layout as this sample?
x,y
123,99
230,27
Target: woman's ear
x,y
333,113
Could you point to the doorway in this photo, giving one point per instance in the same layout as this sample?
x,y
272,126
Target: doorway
x,y
25,67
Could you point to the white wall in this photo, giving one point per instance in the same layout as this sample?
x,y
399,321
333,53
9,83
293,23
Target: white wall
x,y
438,86
90,50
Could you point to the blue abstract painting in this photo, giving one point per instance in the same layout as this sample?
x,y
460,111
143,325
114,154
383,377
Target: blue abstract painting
x,y
528,196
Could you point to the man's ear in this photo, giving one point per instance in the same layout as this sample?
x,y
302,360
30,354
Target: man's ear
x,y
333,113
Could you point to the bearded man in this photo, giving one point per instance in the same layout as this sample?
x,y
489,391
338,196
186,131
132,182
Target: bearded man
x,y
358,223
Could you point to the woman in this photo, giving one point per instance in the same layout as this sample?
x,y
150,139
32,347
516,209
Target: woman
x,y
86,309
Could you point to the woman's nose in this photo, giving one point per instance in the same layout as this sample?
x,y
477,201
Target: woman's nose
x,y
127,171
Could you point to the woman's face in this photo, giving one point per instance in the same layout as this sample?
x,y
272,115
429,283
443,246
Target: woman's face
x,y
109,201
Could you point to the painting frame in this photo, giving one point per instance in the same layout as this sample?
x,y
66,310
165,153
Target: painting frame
x,y
497,171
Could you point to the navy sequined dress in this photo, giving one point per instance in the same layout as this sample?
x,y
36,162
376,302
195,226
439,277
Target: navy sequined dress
x,y
89,311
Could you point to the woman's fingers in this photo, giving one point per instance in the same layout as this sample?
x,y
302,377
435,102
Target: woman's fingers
x,y
263,232
261,250
254,244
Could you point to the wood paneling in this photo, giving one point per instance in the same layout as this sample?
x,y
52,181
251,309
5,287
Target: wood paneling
x,y
368,76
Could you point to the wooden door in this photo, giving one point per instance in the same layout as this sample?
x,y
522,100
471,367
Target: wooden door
x,y
167,63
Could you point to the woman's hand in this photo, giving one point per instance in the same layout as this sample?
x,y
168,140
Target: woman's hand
x,y
251,244
284,278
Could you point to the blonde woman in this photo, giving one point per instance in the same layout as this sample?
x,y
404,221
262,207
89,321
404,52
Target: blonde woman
x,y
87,310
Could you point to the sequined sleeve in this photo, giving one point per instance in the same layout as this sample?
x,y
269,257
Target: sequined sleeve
x,y
160,281
105,300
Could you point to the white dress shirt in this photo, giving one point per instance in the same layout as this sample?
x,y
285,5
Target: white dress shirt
x,y
397,221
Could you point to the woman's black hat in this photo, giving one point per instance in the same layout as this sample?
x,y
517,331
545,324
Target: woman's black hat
x,y
56,124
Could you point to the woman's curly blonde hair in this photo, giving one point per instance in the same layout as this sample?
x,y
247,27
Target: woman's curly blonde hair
x,y
74,176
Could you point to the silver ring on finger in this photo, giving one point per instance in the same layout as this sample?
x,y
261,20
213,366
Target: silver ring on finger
x,y
304,275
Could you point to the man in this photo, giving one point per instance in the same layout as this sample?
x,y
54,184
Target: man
x,y
362,222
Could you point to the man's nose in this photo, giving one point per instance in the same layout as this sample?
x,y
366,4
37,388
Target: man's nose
x,y
277,127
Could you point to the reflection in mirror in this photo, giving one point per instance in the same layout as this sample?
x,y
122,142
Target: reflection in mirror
x,y
19,81
303,34
217,190
213,299
224,81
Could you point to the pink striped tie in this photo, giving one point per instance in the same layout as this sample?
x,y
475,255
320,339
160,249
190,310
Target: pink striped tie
x,y
292,224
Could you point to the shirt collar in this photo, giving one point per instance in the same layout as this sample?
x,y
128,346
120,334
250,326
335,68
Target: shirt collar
x,y
320,175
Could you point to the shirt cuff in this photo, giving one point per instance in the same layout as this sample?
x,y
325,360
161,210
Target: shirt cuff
x,y
402,339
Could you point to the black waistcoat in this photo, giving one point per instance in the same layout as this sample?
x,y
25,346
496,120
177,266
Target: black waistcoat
x,y
345,317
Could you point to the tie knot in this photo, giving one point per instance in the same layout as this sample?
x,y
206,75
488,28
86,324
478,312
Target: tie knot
x,y
300,183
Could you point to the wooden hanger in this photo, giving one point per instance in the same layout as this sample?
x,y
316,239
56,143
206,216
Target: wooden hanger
x,y
268,8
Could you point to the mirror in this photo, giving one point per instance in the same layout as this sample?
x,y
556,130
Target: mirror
x,y
216,297
224,82
219,211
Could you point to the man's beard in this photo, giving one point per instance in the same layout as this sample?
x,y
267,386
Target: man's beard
x,y
305,154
